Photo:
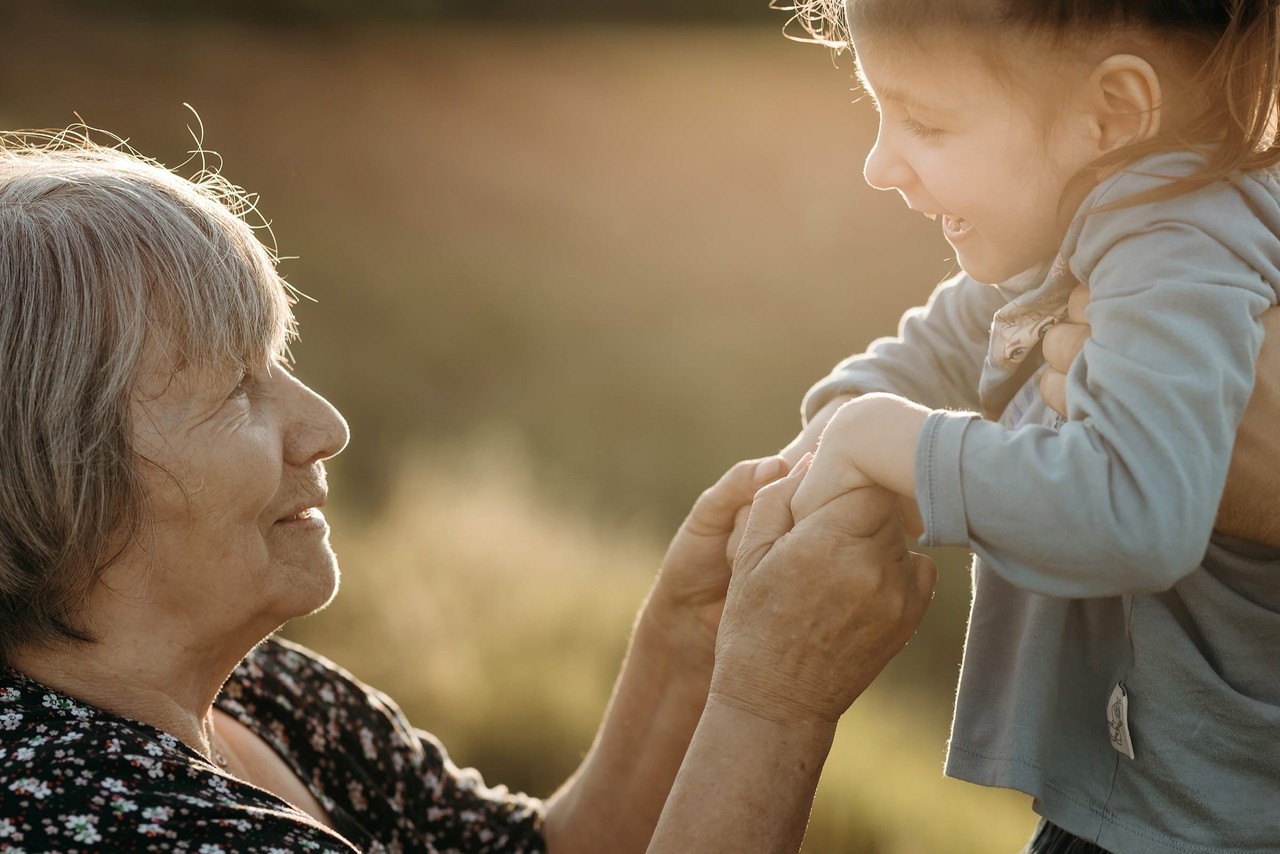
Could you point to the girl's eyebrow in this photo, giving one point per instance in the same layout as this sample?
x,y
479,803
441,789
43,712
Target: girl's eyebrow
x,y
889,93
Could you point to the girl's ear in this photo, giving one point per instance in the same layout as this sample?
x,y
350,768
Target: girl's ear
x,y
1124,95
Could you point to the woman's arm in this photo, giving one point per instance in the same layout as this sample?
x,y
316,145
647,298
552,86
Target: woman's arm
x,y
811,616
814,613
613,801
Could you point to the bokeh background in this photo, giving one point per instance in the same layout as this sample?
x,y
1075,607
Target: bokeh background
x,y
567,262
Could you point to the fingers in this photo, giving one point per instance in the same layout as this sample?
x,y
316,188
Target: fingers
x,y
714,512
829,476
926,573
807,440
1053,388
770,517
1077,301
912,521
823,609
739,528
1062,343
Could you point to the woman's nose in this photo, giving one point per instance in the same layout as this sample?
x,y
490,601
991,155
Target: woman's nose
x,y
318,430
884,168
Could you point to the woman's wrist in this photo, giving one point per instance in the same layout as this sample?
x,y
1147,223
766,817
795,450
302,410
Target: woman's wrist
x,y
678,631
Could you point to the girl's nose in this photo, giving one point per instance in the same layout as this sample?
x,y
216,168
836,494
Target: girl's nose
x,y
885,169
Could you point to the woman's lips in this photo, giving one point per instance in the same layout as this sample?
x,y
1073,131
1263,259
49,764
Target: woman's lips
x,y
309,518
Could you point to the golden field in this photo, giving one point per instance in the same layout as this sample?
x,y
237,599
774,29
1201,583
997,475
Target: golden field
x,y
561,280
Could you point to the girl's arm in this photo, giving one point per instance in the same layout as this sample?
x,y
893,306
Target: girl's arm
x,y
934,359
869,440
1122,498
1252,491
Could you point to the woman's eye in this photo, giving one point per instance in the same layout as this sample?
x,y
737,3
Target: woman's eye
x,y
921,131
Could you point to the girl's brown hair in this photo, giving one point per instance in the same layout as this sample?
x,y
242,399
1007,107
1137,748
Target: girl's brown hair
x,y
1231,46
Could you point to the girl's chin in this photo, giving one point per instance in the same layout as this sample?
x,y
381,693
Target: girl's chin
x,y
990,272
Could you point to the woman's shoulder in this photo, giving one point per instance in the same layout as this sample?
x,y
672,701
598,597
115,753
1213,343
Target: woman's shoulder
x,y
314,709
284,683
76,777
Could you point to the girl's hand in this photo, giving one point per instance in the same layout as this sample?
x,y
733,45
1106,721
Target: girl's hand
x,y
688,596
871,440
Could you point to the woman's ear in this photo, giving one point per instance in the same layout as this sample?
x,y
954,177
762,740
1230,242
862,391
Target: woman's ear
x,y
1124,95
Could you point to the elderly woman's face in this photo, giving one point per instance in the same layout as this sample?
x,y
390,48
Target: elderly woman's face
x,y
231,529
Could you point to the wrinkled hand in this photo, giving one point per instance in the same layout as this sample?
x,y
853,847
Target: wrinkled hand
x,y
1252,491
815,612
805,442
688,595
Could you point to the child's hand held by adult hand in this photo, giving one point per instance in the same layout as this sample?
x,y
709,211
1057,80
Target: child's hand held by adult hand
x,y
871,440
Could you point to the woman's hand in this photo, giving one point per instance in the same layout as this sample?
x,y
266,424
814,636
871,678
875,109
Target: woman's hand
x,y
814,612
805,442
688,595
1062,343
817,610
1251,494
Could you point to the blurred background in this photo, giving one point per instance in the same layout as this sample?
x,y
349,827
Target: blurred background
x,y
567,261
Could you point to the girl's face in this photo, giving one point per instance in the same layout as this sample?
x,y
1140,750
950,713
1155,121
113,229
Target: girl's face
x,y
959,146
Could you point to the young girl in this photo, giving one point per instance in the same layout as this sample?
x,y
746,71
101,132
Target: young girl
x,y
1123,662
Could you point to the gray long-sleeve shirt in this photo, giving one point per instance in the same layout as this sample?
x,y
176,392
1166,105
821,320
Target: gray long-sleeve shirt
x,y
1096,563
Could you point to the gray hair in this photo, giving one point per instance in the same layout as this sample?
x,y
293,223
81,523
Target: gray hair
x,y
105,257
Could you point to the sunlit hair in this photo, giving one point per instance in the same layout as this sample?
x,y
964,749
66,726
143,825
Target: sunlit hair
x,y
106,258
1232,47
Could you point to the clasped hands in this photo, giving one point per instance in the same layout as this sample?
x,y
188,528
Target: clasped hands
x,y
808,613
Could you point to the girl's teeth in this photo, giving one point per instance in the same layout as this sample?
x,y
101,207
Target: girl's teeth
x,y
954,226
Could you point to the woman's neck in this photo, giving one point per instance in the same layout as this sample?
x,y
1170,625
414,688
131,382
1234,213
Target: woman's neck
x,y
166,684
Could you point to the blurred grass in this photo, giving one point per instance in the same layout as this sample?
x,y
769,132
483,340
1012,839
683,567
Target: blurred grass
x,y
562,279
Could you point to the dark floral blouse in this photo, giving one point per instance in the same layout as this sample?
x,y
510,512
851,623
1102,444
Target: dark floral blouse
x,y
74,778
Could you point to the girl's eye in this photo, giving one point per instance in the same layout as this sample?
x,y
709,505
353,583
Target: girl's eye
x,y
922,131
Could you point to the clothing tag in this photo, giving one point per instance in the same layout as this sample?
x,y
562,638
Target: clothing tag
x,y
1118,720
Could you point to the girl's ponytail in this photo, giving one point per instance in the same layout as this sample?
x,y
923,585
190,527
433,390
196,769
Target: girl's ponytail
x,y
1242,77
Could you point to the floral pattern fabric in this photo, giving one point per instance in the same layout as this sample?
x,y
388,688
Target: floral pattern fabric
x,y
74,778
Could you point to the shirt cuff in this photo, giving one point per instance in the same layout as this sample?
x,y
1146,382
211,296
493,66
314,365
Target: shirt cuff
x,y
939,491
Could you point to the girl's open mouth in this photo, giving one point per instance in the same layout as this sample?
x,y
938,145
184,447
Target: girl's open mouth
x,y
954,227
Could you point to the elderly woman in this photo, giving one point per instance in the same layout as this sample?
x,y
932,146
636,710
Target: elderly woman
x,y
161,479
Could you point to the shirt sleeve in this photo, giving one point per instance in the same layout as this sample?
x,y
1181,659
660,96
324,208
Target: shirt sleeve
x,y
934,359
1122,498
